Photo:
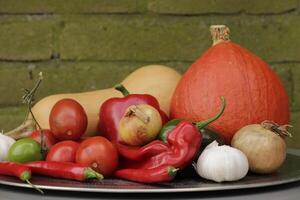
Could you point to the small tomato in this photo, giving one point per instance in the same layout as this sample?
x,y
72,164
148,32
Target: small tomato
x,y
64,151
49,139
98,153
68,120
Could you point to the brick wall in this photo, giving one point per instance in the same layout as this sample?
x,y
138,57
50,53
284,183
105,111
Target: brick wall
x,y
90,44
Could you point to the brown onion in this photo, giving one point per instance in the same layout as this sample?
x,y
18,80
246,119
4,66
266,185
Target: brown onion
x,y
263,144
139,125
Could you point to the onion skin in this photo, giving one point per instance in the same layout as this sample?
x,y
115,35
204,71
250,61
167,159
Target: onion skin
x,y
265,150
133,131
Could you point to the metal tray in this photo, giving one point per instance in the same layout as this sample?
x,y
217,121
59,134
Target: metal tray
x,y
186,181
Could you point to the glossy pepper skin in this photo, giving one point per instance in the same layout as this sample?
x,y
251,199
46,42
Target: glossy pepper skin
x,y
66,170
181,147
167,128
113,110
18,170
15,169
160,174
208,135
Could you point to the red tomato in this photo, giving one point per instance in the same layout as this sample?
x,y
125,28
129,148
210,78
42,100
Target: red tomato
x,y
49,139
64,151
68,120
98,153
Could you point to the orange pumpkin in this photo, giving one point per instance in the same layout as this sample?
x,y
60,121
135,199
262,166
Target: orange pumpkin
x,y
252,90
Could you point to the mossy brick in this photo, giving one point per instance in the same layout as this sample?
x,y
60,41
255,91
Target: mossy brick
x,y
26,37
68,6
270,6
274,38
194,7
96,6
11,117
294,142
296,87
65,77
169,38
27,6
139,38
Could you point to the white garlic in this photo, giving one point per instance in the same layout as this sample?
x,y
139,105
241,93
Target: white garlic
x,y
5,144
222,163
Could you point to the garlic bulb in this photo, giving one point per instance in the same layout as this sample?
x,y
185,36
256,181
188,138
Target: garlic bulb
x,y
5,144
222,163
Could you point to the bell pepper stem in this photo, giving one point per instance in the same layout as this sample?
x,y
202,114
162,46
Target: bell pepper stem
x,y
204,123
122,89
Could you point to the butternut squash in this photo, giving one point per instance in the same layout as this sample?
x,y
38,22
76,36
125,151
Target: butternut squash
x,y
157,80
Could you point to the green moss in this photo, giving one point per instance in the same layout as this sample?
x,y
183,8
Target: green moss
x,y
169,38
11,117
294,142
26,38
192,7
296,87
68,6
269,6
188,7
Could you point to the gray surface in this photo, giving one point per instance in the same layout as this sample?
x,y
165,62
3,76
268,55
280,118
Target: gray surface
x,y
285,191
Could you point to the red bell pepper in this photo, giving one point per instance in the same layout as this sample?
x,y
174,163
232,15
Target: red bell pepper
x,y
144,164
113,109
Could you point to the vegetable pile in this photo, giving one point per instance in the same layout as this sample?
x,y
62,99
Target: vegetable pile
x,y
131,133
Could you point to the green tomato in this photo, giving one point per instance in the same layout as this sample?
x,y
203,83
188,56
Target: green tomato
x,y
25,150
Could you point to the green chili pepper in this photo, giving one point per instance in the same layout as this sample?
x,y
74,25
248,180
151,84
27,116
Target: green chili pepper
x,y
208,136
169,126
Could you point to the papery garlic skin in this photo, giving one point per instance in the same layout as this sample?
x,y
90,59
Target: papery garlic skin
x,y
5,144
222,163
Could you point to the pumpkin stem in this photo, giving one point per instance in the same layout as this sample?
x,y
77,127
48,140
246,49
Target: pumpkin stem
x,y
282,130
219,33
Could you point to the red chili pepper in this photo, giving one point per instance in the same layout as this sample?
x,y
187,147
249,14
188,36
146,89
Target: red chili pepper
x,y
66,170
183,144
13,169
17,170
113,109
158,174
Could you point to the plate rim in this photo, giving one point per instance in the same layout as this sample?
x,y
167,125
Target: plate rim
x,y
156,190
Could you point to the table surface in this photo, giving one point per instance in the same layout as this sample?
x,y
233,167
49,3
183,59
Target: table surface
x,y
286,191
